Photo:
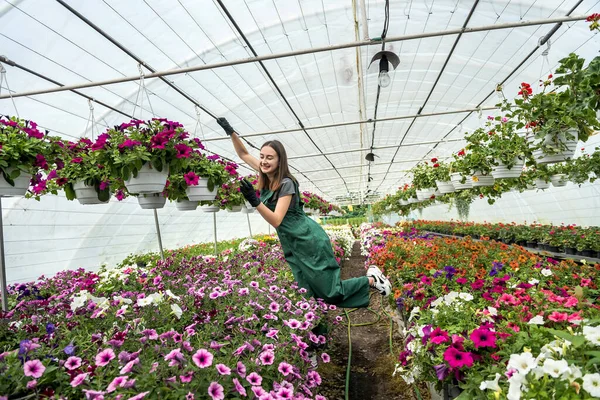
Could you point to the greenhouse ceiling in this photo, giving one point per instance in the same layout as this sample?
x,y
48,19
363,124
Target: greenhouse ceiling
x,y
295,70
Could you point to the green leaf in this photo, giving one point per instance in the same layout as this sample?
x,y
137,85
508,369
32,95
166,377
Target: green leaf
x,y
103,195
576,340
211,184
69,192
593,361
15,174
158,164
593,353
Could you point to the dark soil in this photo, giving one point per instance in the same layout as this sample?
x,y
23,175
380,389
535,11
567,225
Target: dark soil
x,y
372,363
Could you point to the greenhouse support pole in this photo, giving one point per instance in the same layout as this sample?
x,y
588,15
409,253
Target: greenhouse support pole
x,y
249,226
3,287
162,254
215,230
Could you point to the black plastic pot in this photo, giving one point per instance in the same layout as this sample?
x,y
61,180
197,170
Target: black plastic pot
x,y
532,245
553,249
521,243
571,250
579,252
589,253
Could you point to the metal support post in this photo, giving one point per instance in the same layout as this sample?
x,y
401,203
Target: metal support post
x,y
3,287
215,230
160,246
249,226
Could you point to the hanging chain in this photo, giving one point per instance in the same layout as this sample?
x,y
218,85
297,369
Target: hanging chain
x,y
91,120
198,123
143,85
3,78
140,83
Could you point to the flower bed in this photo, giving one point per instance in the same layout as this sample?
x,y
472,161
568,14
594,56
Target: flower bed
x,y
497,320
225,327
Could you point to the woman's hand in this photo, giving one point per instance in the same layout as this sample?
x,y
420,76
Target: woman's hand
x,y
249,193
225,125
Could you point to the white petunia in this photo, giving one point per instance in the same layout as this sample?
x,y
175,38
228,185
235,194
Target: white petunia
x,y
176,310
515,386
591,384
546,272
592,334
537,320
574,372
413,313
493,311
533,282
523,362
492,385
437,302
466,296
77,302
555,368
450,297
171,295
146,301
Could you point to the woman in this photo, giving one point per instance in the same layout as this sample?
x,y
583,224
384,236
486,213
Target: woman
x,y
306,246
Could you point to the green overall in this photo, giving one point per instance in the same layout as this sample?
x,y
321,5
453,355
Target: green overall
x,y
307,249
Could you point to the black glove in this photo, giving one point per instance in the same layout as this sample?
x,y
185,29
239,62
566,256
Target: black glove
x,y
225,125
249,193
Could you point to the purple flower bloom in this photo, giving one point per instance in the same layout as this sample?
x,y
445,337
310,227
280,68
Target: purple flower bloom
x,y
284,368
241,369
238,386
441,371
34,368
104,357
223,369
267,357
72,363
254,379
215,391
203,358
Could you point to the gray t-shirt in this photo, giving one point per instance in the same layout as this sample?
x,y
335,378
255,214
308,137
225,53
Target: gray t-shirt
x,y
287,187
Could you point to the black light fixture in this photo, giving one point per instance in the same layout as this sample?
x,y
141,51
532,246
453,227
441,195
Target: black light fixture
x,y
370,157
385,57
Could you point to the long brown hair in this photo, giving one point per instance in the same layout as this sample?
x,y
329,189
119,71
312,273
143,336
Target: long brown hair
x,y
283,171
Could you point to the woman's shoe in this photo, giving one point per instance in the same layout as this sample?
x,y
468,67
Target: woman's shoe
x,y
380,282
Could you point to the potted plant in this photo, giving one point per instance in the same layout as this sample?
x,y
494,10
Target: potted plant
x,y
559,174
441,173
424,180
457,172
542,176
507,149
23,154
477,162
230,197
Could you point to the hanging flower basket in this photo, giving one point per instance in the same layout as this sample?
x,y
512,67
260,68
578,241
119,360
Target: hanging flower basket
x,y
21,184
554,148
445,187
502,171
86,194
148,180
150,201
541,184
425,194
235,209
201,192
210,209
456,178
559,180
186,205
482,180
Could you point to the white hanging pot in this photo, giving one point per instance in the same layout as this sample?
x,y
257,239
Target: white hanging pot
x,y
482,180
186,205
564,148
200,192
151,201
413,200
541,184
247,210
425,194
559,180
530,187
148,180
456,178
235,209
502,171
403,202
210,209
445,186
86,194
21,184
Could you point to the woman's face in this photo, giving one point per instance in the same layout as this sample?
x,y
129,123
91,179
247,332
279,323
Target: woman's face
x,y
269,160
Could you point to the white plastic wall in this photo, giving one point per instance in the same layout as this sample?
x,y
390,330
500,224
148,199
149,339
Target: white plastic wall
x,y
45,237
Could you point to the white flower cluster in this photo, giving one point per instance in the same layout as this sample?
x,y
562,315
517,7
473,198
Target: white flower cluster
x,y
344,236
120,273
368,235
454,299
524,369
82,297
248,244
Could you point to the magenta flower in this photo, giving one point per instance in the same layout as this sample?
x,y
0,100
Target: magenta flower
x,y
191,179
215,391
104,357
558,316
439,336
129,144
223,369
93,394
325,357
238,386
159,141
458,359
267,357
183,151
129,366
103,185
203,358
120,195
482,337
241,369
34,368
139,396
76,160
284,368
175,357
274,307
187,378
119,381
254,379
72,363
78,380
272,333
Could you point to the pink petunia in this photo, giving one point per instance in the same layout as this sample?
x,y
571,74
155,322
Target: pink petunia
x,y
482,337
439,336
558,316
78,380
139,396
187,378
215,391
325,357
238,387
119,381
458,359
241,369
72,363
284,368
34,368
223,369
104,357
191,179
254,379
203,358
183,151
267,357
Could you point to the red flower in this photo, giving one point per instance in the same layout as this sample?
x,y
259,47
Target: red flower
x,y
593,17
433,160
436,165
461,152
526,90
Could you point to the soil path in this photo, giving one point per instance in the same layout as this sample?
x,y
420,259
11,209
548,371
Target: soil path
x,y
372,363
